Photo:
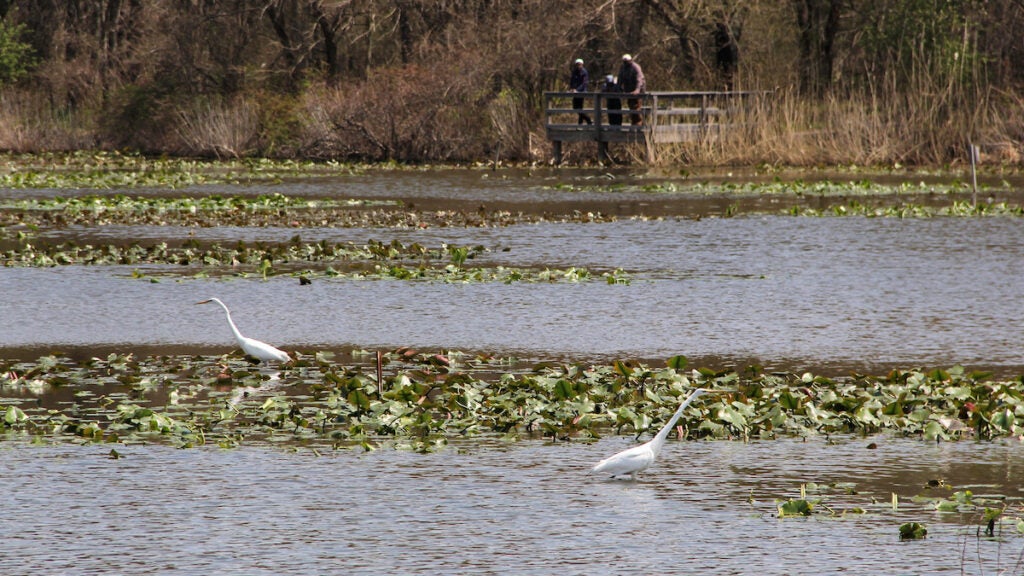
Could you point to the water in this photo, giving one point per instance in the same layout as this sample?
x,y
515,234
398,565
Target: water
x,y
828,295
481,508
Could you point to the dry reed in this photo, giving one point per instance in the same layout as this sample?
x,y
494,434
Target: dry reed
x,y
28,125
219,130
915,127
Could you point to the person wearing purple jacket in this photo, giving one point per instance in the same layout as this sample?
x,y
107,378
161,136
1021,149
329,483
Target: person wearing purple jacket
x,y
631,81
578,83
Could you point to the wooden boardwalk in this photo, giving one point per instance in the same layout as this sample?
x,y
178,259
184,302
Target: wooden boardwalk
x,y
667,117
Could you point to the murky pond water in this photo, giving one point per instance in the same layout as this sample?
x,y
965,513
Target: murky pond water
x,y
480,508
826,295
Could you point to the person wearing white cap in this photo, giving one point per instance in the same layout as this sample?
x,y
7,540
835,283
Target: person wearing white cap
x,y
578,81
614,104
631,81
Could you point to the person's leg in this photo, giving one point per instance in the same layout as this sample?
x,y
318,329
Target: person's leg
x,y
577,104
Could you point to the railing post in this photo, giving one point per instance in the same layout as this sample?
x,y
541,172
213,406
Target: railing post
x,y
650,125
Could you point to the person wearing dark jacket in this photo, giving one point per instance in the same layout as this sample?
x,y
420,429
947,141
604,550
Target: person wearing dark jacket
x,y
614,104
578,81
631,81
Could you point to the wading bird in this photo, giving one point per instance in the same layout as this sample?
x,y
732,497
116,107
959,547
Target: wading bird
x,y
638,458
252,347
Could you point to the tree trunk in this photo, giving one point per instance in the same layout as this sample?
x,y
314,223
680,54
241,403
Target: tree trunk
x,y
818,24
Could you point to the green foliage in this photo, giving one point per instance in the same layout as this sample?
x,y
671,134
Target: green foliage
x,y
375,260
94,170
795,508
677,363
132,118
280,122
430,397
918,35
16,57
913,531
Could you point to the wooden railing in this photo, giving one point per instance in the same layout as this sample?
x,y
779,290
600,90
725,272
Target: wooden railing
x,y
661,117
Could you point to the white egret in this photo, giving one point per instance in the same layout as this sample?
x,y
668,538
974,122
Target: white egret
x,y
638,458
252,347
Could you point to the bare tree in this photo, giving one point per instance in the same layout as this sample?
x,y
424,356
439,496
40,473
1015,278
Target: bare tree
x,y
87,47
817,26
679,15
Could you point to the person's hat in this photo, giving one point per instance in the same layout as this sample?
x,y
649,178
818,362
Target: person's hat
x,y
627,57
609,78
579,61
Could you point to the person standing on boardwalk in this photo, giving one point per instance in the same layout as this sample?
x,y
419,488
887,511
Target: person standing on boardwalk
x,y
578,83
631,81
614,104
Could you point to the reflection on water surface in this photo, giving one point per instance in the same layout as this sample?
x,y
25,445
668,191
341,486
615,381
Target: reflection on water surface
x,y
481,508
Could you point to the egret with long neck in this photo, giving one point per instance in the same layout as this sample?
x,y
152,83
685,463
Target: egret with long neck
x,y
251,346
639,458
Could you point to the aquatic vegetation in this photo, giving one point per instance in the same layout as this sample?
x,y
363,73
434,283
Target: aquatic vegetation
x,y
839,500
913,531
795,508
101,169
864,198
374,260
778,187
910,210
94,204
427,398
192,253
265,210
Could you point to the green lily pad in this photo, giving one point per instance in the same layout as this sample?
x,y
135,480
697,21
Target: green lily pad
x,y
913,531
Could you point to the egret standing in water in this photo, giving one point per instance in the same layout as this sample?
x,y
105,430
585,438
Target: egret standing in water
x,y
638,458
255,348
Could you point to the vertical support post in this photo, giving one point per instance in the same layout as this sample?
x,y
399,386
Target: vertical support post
x,y
380,374
558,151
703,115
974,174
650,126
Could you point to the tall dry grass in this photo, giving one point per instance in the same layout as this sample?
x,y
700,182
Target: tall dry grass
x,y
911,130
510,126
30,125
221,130
928,122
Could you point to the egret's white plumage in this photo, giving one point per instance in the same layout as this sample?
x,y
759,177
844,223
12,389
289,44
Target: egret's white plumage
x,y
638,458
251,346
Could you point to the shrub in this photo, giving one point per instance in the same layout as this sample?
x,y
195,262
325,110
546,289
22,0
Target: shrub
x,y
16,57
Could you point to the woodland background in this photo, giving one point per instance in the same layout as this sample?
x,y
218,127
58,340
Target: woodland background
x,y
864,82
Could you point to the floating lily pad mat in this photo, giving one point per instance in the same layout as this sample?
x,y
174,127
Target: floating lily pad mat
x,y
421,400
